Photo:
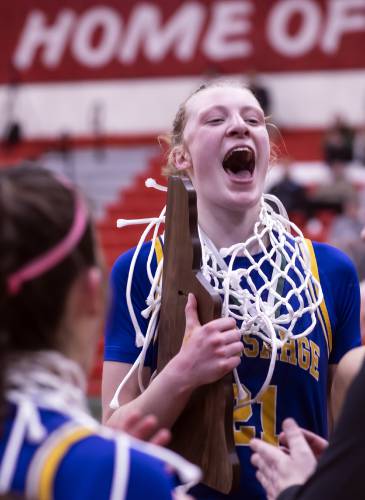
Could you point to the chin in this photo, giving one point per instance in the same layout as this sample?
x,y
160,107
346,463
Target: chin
x,y
244,201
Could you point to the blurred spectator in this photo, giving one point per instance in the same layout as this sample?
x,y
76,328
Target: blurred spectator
x,y
97,118
261,93
212,72
345,234
359,145
334,195
290,193
338,142
13,134
97,122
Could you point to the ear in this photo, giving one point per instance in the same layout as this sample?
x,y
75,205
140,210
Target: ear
x,y
90,292
94,284
181,158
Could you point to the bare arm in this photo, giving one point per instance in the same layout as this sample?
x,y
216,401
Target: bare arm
x,y
348,368
207,354
113,374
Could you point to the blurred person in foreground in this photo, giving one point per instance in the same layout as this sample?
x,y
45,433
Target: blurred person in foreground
x,y
52,296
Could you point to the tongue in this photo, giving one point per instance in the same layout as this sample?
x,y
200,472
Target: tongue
x,y
241,174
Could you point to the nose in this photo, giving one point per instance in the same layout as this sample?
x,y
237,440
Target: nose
x,y
237,127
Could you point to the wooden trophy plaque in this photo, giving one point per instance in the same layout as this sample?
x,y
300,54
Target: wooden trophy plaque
x,y
203,434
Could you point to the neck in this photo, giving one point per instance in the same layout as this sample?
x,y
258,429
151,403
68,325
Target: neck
x,y
226,228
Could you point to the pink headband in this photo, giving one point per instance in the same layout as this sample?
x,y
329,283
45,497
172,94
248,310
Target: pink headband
x,y
50,259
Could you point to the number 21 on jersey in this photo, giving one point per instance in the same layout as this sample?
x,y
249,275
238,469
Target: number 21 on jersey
x,y
243,433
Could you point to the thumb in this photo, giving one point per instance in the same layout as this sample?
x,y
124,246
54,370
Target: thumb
x,y
296,441
191,315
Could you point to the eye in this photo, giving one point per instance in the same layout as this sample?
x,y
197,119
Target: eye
x,y
253,121
215,121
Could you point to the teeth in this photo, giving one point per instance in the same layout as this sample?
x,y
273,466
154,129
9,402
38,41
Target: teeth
x,y
243,149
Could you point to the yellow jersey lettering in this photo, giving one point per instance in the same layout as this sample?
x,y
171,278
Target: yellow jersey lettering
x,y
315,353
288,353
304,353
243,433
251,346
265,351
268,415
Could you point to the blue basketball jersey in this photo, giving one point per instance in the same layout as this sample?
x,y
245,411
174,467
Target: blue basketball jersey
x,y
298,387
76,461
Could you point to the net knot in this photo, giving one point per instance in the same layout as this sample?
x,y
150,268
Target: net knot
x,y
233,279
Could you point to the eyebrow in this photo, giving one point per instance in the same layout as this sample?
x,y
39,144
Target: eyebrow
x,y
218,107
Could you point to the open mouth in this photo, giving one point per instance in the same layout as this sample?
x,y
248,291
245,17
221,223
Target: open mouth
x,y
239,160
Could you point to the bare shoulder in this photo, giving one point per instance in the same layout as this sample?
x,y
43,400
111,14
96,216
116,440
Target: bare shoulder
x,y
351,363
347,370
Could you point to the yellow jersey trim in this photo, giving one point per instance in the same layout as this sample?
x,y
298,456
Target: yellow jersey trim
x,y
158,250
54,459
323,315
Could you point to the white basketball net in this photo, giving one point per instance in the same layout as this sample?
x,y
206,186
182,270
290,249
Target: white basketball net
x,y
267,296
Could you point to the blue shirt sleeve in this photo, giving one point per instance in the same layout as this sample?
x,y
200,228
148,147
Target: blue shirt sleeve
x,y
119,332
149,478
340,285
86,471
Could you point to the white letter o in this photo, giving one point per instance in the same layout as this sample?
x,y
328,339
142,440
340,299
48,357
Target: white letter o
x,y
101,17
304,40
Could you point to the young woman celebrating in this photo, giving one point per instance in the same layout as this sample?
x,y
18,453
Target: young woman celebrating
x,y
287,318
51,307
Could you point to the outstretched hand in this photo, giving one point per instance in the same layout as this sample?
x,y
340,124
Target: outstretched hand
x,y
316,443
208,351
277,469
141,427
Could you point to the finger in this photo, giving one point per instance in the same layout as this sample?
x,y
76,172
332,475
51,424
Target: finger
x,y
231,336
262,464
282,439
263,480
145,428
255,459
229,364
127,422
297,444
222,324
161,438
191,314
234,349
268,453
317,443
